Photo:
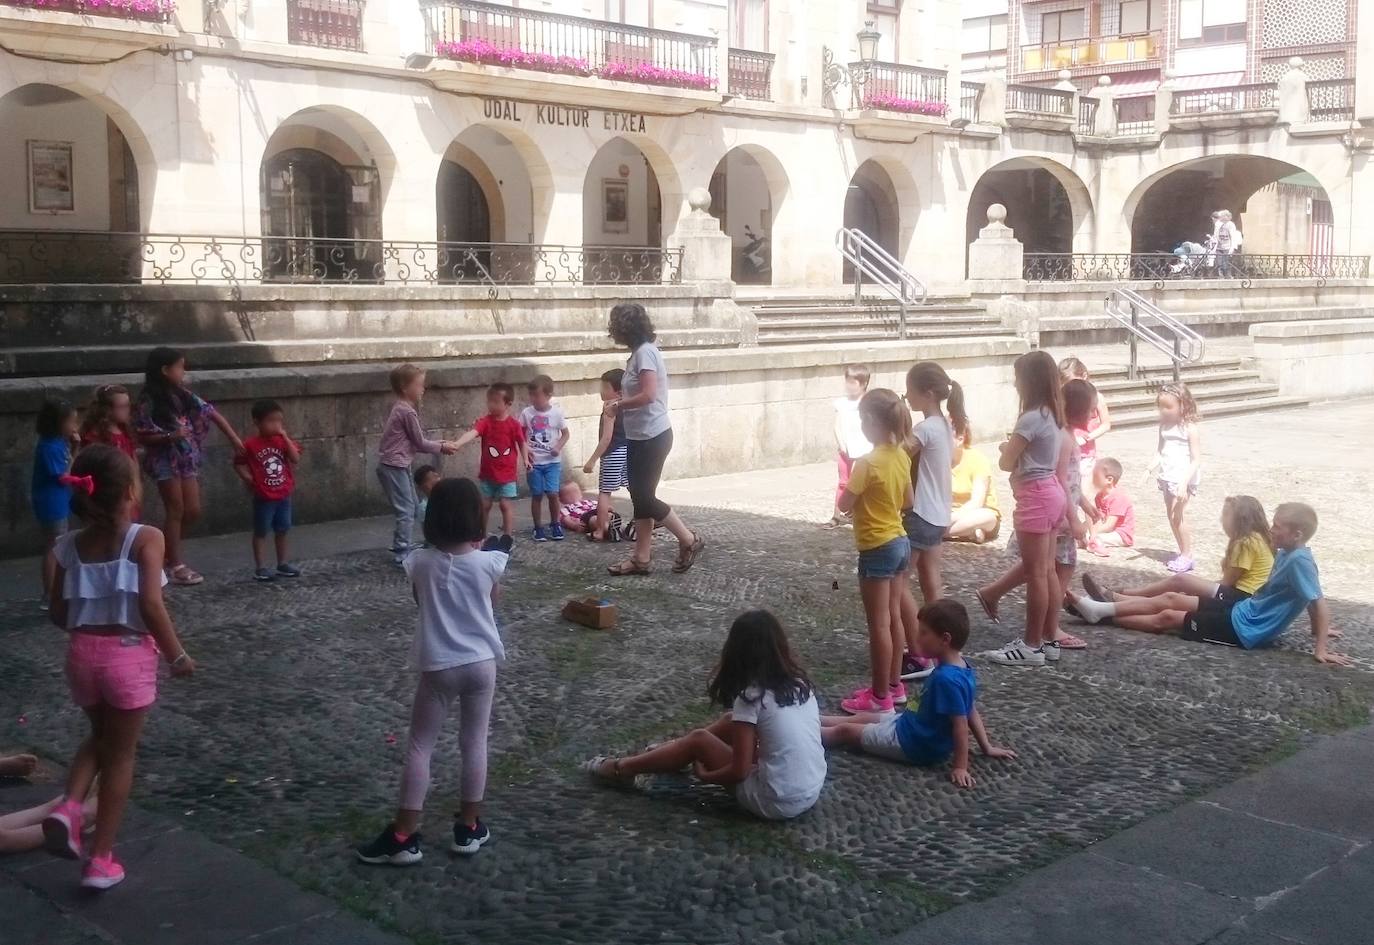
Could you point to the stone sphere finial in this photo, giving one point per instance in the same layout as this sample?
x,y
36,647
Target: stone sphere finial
x,y
699,198
1295,62
997,215
1065,75
1104,80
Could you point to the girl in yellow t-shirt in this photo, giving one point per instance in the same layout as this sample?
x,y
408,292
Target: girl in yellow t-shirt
x,y
879,488
1244,569
976,516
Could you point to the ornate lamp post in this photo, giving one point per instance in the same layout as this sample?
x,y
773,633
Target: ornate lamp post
x,y
855,75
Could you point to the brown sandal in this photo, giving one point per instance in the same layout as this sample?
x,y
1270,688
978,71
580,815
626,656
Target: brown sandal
x,y
628,567
688,557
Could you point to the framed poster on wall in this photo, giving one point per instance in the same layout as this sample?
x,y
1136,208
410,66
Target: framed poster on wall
x,y
50,177
615,205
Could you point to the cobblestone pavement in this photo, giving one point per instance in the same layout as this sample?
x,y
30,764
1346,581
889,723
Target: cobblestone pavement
x,y
287,744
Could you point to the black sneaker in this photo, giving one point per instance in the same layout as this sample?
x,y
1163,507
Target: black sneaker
x,y
468,840
504,544
386,850
491,544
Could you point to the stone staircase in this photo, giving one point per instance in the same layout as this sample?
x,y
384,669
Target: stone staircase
x,y
810,319
1222,387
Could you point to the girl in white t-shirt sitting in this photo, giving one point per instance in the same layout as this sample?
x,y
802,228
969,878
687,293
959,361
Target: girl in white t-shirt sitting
x,y
767,747
456,649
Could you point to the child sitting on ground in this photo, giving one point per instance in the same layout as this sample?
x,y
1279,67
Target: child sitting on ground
x,y
613,450
22,830
850,443
767,748
1257,621
1115,524
939,727
266,467
581,514
503,445
456,650
1246,566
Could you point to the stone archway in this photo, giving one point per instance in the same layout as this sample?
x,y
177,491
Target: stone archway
x,y
1048,206
747,189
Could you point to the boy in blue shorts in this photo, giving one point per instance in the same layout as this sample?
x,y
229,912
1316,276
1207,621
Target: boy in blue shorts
x,y
1293,587
503,445
546,433
939,727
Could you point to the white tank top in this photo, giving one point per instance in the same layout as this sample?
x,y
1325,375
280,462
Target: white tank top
x,y
104,594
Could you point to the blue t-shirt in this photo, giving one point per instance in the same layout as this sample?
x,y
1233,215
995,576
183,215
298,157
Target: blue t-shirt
x,y
52,501
1292,585
927,735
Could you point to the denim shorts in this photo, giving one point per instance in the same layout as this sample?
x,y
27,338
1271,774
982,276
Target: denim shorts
x,y
545,479
921,533
496,490
271,515
885,561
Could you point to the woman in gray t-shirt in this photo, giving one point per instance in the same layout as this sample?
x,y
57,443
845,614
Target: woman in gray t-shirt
x,y
643,405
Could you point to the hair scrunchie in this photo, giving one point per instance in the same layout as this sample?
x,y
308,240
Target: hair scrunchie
x,y
85,483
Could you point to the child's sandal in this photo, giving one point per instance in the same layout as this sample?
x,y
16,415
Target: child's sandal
x,y
629,566
593,767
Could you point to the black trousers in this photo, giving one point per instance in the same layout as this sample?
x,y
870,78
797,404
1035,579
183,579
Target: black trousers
x,y
646,459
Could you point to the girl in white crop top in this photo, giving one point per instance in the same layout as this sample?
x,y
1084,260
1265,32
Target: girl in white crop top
x,y
107,592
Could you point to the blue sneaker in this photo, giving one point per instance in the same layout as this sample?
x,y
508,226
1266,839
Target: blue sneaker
x,y
556,532
540,534
286,569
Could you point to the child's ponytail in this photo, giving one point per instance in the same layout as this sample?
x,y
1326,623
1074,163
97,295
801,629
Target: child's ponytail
x,y
101,480
958,414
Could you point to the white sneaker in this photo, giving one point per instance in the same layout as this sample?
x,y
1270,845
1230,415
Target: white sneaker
x,y
1016,653
1052,651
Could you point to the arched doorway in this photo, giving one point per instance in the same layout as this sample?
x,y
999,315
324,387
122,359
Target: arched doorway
x,y
321,197
1279,208
485,209
75,201
622,216
871,206
747,187
1040,208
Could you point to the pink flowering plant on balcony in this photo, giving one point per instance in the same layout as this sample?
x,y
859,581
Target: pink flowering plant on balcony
x,y
130,9
910,106
513,57
650,74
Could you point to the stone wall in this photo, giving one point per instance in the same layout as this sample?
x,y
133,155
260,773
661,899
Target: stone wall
x,y
732,410
1322,359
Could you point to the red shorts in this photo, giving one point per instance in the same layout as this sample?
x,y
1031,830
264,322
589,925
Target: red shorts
x,y
112,669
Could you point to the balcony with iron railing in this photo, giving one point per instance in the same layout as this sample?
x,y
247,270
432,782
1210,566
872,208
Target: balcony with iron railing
x,y
970,97
1135,115
491,34
1090,53
1331,100
1034,106
751,74
1229,106
893,87
333,24
152,11
86,30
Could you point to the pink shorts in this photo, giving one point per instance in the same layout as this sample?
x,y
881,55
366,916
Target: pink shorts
x,y
1040,506
112,669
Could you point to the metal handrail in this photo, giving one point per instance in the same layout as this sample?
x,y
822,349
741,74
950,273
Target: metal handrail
x,y
1129,307
882,268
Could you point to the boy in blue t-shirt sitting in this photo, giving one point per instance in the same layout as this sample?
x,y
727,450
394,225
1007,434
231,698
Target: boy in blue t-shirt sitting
x,y
939,727
1254,622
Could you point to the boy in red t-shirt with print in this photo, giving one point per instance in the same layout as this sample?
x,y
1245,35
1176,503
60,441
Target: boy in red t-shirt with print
x,y
266,466
1115,525
503,443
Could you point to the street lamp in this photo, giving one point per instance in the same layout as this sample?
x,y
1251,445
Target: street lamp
x,y
855,75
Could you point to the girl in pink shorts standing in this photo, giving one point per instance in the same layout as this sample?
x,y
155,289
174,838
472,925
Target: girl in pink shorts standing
x,y
1039,470
107,593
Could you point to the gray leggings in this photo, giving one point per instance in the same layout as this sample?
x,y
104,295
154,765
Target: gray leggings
x,y
473,685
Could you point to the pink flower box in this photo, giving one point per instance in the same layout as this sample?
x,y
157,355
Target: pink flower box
x,y
154,10
650,74
512,57
910,106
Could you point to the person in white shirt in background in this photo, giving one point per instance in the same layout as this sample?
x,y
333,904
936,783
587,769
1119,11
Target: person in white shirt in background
x,y
850,442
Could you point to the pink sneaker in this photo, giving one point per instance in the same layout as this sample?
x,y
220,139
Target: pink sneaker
x,y
62,831
863,700
102,873
897,693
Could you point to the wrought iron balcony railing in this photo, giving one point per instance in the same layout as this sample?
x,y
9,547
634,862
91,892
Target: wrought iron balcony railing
x,y
1135,115
152,11
751,74
970,96
1255,97
475,31
1093,51
1037,100
1087,115
1158,267
891,86
334,24
56,257
1331,100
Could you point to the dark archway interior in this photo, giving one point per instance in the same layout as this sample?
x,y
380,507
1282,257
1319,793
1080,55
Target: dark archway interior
x,y
1179,205
464,216
1038,208
311,205
870,206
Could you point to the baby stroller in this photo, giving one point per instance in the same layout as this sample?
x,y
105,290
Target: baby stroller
x,y
1190,261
